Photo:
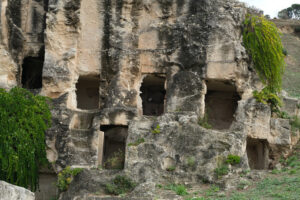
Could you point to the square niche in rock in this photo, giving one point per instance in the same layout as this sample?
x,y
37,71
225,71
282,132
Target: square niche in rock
x,y
153,95
221,102
114,146
258,153
87,92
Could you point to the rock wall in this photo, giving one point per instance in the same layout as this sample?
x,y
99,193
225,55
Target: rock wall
x,y
191,50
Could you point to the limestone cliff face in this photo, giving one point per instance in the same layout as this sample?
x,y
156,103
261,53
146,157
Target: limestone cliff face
x,y
123,71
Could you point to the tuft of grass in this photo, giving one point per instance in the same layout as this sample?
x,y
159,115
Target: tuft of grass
x,y
204,122
120,185
137,142
170,169
178,189
221,171
212,190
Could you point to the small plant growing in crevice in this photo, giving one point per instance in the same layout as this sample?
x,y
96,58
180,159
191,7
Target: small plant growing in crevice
x,y
191,161
137,142
177,188
233,159
171,169
65,177
204,122
116,161
156,130
120,185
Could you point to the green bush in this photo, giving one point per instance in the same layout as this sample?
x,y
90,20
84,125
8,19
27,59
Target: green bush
x,y
233,159
65,177
269,98
120,185
24,118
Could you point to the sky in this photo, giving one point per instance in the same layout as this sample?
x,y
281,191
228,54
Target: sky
x,y
271,7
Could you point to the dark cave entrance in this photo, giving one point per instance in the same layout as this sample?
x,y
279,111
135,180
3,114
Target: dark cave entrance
x,y
258,153
32,71
87,92
153,95
221,102
114,146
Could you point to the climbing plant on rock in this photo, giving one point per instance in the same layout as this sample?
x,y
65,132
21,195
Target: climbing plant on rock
x,y
24,118
262,40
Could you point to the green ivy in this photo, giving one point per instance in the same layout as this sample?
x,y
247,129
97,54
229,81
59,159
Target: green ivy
x,y
262,40
24,118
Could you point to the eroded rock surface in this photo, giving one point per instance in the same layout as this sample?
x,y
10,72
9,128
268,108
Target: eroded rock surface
x,y
142,80
12,192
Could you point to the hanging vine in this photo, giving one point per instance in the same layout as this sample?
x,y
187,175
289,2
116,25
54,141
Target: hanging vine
x,y
24,118
262,41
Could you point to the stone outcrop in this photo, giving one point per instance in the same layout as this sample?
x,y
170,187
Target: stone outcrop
x,y
12,192
139,82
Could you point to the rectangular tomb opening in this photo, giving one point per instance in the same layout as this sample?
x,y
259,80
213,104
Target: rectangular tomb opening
x,y
258,153
87,92
114,146
153,95
221,102
32,70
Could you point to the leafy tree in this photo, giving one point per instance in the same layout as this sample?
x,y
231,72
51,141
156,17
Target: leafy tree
x,y
24,118
290,12
262,40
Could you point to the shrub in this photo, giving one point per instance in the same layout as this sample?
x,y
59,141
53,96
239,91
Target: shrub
x,y
116,161
267,97
137,142
120,185
65,177
24,118
233,159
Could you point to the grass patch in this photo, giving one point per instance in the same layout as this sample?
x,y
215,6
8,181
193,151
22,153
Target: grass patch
x,y
178,189
137,142
221,171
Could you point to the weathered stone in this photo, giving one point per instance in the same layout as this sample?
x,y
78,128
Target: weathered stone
x,y
12,192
